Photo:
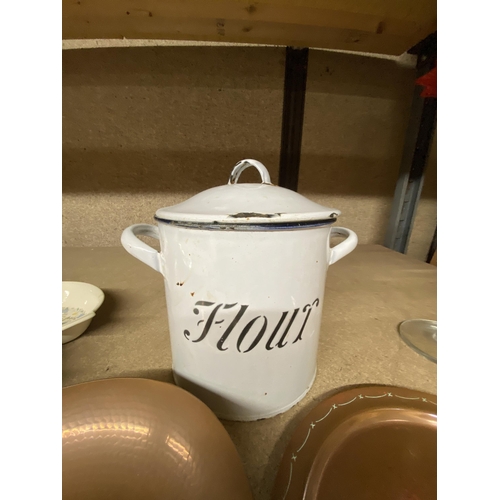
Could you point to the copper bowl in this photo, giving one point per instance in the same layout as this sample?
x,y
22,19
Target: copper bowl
x,y
367,443
136,438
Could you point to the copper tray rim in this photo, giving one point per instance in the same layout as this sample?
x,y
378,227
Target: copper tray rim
x,y
408,398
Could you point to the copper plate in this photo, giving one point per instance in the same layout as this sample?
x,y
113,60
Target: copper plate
x,y
371,442
136,438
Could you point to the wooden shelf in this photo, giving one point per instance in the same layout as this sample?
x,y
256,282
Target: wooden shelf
x,y
377,26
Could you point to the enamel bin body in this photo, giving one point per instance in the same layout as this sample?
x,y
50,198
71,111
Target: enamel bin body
x,y
244,267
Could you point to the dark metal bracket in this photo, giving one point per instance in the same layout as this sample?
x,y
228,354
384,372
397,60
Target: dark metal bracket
x,y
418,141
432,248
419,137
294,97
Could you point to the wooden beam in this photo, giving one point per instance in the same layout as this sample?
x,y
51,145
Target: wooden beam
x,y
388,26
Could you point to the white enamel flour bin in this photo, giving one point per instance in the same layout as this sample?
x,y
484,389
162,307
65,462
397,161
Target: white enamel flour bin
x,y
244,268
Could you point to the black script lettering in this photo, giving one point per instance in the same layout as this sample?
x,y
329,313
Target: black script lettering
x,y
280,343
307,307
225,335
209,322
271,338
247,329
209,318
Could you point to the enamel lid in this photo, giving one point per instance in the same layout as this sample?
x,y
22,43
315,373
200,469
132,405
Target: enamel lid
x,y
247,204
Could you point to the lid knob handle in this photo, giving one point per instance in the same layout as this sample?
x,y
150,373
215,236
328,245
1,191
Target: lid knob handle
x,y
243,164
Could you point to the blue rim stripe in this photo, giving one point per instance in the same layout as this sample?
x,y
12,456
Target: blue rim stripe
x,y
231,226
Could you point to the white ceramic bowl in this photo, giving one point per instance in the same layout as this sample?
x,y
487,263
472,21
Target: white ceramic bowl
x,y
80,301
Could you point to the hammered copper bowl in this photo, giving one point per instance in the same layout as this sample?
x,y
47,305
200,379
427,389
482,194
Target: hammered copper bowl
x,y
136,438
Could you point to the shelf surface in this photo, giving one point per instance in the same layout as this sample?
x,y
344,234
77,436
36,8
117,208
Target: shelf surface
x,y
368,293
